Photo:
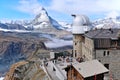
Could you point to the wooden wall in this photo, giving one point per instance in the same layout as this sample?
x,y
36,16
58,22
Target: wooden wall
x,y
106,43
98,77
102,43
72,74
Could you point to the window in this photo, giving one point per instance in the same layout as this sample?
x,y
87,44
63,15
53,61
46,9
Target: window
x,y
106,65
108,52
104,53
75,43
75,53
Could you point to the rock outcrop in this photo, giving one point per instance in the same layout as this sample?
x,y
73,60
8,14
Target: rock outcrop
x,y
26,70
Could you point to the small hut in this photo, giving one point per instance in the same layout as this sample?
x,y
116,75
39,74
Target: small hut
x,y
89,70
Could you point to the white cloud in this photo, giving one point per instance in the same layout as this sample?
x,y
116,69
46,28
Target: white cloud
x,y
29,6
85,6
112,14
55,42
58,43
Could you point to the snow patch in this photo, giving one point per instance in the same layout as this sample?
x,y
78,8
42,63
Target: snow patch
x,y
99,26
13,30
1,78
65,26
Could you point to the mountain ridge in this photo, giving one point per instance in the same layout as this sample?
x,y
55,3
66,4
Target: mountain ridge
x,y
41,22
107,23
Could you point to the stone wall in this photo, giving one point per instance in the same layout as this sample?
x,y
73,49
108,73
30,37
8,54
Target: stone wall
x,y
112,58
87,49
77,45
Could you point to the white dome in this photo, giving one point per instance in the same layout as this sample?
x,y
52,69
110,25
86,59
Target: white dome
x,y
80,20
80,24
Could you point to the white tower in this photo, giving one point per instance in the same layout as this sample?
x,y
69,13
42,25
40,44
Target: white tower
x,y
80,26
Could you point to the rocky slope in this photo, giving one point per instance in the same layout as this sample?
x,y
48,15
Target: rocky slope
x,y
14,48
28,48
29,69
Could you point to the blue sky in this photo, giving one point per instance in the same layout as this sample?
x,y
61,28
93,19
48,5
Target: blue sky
x,y
60,10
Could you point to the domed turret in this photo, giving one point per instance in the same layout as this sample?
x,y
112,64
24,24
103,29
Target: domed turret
x,y
80,24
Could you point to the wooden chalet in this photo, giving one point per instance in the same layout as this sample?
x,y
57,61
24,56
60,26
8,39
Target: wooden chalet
x,y
89,70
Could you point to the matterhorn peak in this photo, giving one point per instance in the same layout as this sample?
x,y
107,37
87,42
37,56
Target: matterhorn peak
x,y
42,8
43,11
41,17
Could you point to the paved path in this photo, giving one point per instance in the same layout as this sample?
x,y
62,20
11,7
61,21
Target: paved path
x,y
51,72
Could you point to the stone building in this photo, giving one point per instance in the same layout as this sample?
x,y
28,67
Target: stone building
x,y
101,44
80,25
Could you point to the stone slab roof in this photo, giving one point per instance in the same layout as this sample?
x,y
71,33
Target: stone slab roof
x,y
90,68
103,33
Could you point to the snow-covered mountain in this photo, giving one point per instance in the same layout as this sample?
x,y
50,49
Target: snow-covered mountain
x,y
66,26
107,23
11,26
43,22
